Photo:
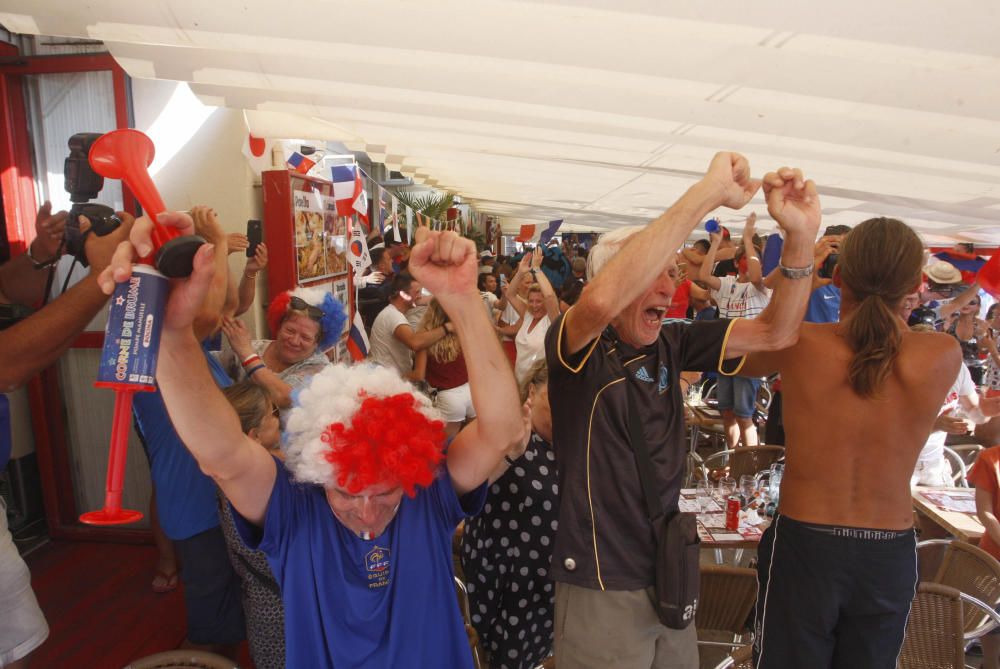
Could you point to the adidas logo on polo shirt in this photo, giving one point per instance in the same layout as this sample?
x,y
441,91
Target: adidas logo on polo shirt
x,y
643,375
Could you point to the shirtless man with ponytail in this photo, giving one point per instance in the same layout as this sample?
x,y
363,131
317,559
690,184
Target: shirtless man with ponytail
x,y
837,568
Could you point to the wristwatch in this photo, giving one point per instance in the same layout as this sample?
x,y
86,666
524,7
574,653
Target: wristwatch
x,y
796,272
41,264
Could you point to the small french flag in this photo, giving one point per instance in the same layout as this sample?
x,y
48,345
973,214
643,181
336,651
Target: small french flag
x,y
299,163
360,199
528,234
549,232
357,340
343,188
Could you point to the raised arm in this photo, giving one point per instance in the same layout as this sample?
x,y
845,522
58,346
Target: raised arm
x,y
512,289
203,418
754,270
20,282
794,204
646,255
248,282
705,271
959,300
30,346
548,292
447,265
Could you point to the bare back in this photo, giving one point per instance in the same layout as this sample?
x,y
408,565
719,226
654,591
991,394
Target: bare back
x,y
849,459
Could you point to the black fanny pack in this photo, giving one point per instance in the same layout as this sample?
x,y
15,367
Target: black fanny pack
x,y
677,574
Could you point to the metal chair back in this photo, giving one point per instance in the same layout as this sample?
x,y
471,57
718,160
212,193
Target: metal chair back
x,y
959,472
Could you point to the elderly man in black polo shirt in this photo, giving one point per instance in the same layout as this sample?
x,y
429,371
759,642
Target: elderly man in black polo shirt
x,y
613,342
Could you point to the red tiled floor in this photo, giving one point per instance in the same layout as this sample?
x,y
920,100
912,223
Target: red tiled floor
x,y
101,611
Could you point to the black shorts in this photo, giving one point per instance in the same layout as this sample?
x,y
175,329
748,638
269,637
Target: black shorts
x,y
834,597
212,593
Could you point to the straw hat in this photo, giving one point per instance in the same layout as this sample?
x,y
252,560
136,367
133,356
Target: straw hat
x,y
943,272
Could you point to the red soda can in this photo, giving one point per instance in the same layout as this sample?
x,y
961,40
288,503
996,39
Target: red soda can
x,y
732,512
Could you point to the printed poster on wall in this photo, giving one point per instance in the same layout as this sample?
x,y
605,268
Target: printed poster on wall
x,y
320,237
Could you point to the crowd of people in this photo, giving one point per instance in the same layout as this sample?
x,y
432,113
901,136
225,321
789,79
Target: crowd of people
x,y
311,508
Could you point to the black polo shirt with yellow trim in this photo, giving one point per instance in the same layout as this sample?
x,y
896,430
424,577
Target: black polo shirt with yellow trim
x,y
605,540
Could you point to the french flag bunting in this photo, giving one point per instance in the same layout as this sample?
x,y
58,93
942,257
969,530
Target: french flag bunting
x,y
527,234
357,340
409,224
360,205
299,163
549,232
343,177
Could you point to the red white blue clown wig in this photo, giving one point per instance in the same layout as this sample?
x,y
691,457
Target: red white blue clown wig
x,y
331,323
360,426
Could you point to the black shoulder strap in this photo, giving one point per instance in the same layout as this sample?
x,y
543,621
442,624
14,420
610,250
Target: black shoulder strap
x,y
637,441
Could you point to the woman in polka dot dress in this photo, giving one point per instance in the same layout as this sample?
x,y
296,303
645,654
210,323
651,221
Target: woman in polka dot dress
x,y
506,550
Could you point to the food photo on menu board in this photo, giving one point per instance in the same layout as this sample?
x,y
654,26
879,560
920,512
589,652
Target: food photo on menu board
x,y
310,236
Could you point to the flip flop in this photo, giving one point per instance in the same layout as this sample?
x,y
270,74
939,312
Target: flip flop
x,y
164,582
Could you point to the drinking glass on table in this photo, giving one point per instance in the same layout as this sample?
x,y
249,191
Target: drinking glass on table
x,y
727,487
747,487
774,480
704,496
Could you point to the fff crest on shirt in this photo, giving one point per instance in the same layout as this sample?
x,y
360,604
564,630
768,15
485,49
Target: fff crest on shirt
x,y
377,565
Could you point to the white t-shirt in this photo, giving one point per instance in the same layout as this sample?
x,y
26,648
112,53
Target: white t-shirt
x,y
740,300
530,345
510,315
386,349
933,450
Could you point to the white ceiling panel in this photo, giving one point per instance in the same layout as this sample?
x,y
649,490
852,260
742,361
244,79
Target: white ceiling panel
x,y
600,112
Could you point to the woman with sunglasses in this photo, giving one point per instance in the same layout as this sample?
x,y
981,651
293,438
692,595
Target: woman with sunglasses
x,y
265,614
970,331
305,323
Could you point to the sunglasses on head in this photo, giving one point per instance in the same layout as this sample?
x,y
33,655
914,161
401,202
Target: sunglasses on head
x,y
299,304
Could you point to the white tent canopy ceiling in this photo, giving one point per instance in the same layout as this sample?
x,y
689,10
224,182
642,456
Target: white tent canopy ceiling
x,y
600,112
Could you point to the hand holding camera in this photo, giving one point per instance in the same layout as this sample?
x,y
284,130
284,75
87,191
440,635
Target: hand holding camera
x,y
83,184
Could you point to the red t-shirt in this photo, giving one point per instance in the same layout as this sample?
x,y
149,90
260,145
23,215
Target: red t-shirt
x,y
679,305
446,375
985,474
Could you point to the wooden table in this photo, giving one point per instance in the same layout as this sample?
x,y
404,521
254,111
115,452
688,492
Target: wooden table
x,y
712,526
949,508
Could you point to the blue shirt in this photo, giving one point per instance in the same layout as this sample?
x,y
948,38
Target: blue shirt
x,y
824,305
387,602
772,253
185,497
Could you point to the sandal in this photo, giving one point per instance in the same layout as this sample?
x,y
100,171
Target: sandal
x,y
164,582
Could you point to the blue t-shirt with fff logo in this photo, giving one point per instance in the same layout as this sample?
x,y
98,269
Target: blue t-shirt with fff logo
x,y
387,602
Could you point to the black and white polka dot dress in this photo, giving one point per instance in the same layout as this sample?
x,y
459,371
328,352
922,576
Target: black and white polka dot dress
x,y
506,551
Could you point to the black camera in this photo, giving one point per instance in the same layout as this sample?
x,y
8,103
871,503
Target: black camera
x,y
826,269
83,184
